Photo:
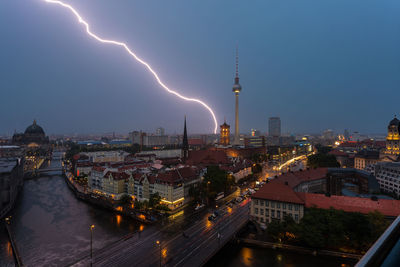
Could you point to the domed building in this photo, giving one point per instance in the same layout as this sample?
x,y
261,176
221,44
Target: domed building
x,y
392,150
33,135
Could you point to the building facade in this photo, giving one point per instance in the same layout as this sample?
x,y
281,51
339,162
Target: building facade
x,y
388,176
34,134
11,181
393,139
274,126
365,158
225,133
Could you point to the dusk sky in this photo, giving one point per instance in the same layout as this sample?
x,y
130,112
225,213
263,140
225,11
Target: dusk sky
x,y
316,64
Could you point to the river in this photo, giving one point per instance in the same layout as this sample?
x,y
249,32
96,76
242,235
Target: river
x,y
51,228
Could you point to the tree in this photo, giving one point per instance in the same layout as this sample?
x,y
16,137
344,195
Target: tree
x,y
217,180
377,223
256,168
323,149
154,200
275,230
125,199
322,160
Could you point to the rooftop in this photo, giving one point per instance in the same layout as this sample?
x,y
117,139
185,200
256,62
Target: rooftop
x,y
387,207
275,190
296,178
7,164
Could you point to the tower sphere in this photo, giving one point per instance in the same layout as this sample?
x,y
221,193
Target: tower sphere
x,y
236,88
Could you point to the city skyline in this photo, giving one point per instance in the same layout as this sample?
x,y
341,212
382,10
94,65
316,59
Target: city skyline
x,y
280,81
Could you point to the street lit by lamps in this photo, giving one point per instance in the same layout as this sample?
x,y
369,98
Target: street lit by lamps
x,y
8,220
91,244
159,245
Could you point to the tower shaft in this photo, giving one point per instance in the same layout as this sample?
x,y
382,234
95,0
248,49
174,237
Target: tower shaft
x,y
236,141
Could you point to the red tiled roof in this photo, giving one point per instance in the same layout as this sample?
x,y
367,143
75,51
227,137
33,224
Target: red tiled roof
x,y
98,168
137,176
338,153
387,207
275,190
187,173
207,157
349,144
296,178
84,164
170,161
177,175
196,142
117,175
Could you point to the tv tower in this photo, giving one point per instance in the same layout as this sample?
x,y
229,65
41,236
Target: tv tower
x,y
236,89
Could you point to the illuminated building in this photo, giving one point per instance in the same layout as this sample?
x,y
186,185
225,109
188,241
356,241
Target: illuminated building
x,y
236,89
366,157
224,138
255,133
393,138
254,141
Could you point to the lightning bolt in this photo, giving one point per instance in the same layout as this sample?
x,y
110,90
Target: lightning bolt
x,y
130,52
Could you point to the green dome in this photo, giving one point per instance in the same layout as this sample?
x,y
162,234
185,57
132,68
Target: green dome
x,y
34,129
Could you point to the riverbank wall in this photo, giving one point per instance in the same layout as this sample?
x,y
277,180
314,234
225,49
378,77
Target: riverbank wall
x,y
16,254
298,249
82,194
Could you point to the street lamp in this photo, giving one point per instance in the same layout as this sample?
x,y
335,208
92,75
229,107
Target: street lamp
x,y
159,245
91,244
8,219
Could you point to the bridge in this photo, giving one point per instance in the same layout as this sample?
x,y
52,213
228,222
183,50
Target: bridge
x,y
44,170
192,246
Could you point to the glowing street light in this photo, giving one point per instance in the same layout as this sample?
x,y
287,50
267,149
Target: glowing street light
x,y
91,244
159,245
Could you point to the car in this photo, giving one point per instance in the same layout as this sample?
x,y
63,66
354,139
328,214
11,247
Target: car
x,y
212,217
198,207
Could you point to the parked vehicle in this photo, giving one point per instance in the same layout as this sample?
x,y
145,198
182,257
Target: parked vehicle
x,y
219,196
198,207
211,217
239,199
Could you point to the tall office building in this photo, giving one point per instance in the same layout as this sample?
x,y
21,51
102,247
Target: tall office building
x,y
160,131
274,126
236,89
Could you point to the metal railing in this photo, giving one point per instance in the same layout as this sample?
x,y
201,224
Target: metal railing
x,y
382,248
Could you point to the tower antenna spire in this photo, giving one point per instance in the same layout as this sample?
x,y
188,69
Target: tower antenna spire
x,y
237,63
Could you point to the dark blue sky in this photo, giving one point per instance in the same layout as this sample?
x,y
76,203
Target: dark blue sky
x,y
316,64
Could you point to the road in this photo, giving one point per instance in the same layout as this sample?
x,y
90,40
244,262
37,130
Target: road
x,y
192,245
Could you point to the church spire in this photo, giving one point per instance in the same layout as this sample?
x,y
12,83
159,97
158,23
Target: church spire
x,y
185,143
